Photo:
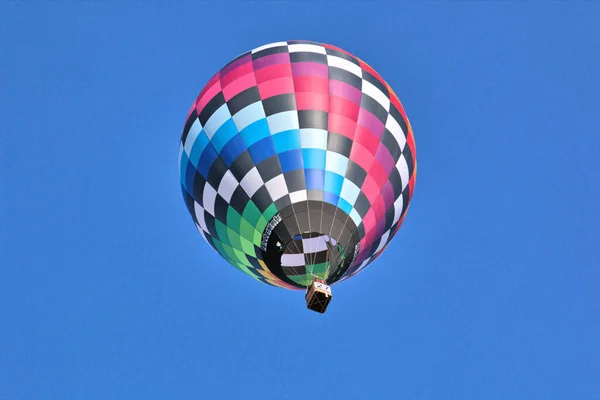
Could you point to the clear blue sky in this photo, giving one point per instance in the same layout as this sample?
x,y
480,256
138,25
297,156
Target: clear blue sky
x,y
489,291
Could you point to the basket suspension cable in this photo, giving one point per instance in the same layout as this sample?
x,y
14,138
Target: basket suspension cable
x,y
320,232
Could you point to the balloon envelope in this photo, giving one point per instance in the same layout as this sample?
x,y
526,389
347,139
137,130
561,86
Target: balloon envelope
x,y
297,161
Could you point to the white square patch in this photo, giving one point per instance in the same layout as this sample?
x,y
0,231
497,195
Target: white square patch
x,y
215,121
313,138
395,129
268,46
402,170
227,186
199,211
283,121
195,129
338,62
349,191
298,196
306,47
373,91
398,208
208,199
277,187
335,162
248,115
252,182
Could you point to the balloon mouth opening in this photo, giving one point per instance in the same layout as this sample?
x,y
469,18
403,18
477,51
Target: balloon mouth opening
x,y
311,255
309,240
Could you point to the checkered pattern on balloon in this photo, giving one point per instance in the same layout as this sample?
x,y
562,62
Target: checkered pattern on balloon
x,y
297,161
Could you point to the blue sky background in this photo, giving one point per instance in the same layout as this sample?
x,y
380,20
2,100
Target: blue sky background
x,y
489,291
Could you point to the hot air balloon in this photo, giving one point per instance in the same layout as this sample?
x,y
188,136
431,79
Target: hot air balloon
x,y
297,165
